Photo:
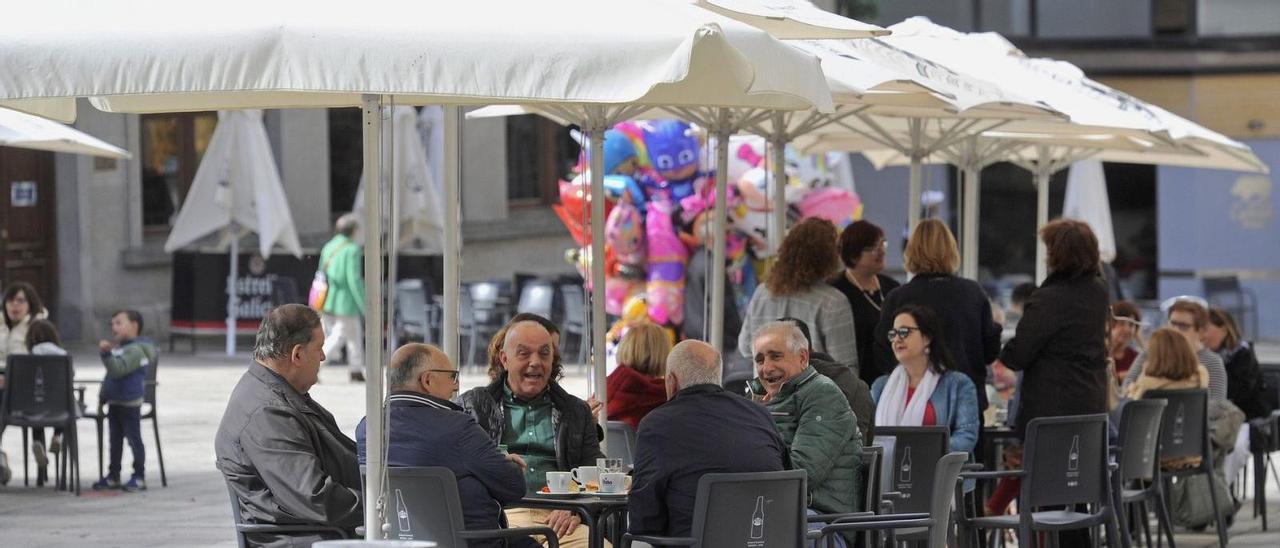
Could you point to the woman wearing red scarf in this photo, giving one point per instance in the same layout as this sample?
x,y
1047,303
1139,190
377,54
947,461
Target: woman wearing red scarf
x,y
637,386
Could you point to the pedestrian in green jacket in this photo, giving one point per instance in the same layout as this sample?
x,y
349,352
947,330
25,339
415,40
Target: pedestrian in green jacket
x,y
813,416
343,265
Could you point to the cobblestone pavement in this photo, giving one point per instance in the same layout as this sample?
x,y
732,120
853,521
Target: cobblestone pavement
x,y
194,511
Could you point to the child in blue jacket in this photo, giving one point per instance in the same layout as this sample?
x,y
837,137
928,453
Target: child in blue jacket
x,y
123,389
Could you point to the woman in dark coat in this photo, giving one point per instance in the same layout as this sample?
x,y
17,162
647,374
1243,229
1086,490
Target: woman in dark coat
x,y
862,250
972,336
1245,386
1059,343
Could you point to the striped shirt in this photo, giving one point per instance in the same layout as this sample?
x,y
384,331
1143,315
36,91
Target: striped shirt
x,y
1208,358
823,308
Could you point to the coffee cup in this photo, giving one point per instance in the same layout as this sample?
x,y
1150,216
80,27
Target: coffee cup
x,y
586,474
558,482
613,482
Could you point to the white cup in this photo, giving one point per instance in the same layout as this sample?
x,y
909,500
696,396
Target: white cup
x,y
613,482
585,474
558,482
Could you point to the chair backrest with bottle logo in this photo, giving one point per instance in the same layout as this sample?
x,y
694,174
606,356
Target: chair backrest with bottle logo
x,y
38,391
753,509
1184,432
1066,461
423,504
1139,439
911,452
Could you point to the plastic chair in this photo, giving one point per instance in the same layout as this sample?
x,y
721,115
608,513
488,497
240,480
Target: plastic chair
x,y
1265,440
910,486
425,505
38,394
936,523
243,529
1184,432
487,313
575,317
746,509
537,297
621,440
1138,455
413,312
1065,463
1226,292
99,414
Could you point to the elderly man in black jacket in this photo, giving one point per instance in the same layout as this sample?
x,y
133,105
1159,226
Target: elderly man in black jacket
x,y
702,429
282,453
526,410
426,429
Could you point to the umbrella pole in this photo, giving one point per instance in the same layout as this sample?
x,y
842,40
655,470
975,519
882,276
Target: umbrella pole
x,y
916,183
969,219
375,436
233,303
452,228
779,144
393,254
598,367
722,132
1042,208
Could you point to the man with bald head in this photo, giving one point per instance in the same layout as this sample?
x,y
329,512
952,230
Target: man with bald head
x,y
702,429
426,429
525,409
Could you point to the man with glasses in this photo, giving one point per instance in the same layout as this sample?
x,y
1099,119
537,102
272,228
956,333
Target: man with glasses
x,y
1191,319
426,429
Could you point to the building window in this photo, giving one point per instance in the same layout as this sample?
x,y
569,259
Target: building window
x,y
346,158
172,146
539,154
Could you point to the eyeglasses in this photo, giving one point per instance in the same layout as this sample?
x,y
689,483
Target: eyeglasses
x,y
901,333
883,245
453,373
1181,326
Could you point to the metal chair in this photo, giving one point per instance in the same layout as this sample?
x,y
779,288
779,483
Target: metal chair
x,y
575,317
621,440
746,509
426,506
936,523
1065,464
1184,432
38,394
243,529
99,414
1138,455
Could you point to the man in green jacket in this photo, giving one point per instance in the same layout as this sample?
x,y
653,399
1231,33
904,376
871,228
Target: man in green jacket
x,y
343,265
813,416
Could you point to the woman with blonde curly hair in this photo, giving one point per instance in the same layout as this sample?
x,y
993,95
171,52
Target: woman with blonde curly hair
x,y
796,287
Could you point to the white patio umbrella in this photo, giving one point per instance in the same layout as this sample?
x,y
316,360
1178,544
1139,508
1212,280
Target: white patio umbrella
x,y
22,130
319,53
419,216
236,190
1087,200
792,19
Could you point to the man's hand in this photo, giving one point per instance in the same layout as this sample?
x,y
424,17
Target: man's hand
x,y
1013,457
563,522
105,345
595,406
512,457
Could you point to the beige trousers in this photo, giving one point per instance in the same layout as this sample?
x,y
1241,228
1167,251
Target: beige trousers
x,y
537,517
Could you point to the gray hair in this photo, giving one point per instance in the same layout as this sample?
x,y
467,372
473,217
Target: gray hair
x,y
408,362
796,341
347,224
283,328
694,362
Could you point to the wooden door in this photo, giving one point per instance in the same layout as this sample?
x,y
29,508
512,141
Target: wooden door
x,y
28,221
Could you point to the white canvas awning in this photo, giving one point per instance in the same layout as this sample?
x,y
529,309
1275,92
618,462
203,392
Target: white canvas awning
x,y
22,130
792,19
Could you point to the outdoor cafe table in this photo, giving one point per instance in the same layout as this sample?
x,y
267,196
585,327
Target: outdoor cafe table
x,y
593,510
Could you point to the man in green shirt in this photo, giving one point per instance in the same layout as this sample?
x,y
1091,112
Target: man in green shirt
x,y
343,265
527,410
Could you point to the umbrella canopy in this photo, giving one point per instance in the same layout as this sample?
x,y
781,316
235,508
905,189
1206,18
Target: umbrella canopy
x,y
792,19
1087,201
237,184
420,217
22,130
155,57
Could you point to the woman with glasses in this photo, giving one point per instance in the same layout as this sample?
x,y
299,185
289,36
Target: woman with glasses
x,y
1189,318
862,250
796,287
924,389
964,313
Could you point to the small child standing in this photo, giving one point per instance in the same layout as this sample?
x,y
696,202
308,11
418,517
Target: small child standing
x,y
123,389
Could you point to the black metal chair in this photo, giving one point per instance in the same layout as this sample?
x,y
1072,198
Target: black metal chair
x,y
1065,464
747,509
244,529
621,441
935,523
99,414
425,506
1184,432
1138,457
38,394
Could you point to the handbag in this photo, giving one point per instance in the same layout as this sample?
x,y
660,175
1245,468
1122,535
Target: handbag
x,y
319,292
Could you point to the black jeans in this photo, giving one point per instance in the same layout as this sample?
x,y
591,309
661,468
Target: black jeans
x,y
126,422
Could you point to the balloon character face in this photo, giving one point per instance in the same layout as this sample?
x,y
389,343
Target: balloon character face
x,y
619,154
673,149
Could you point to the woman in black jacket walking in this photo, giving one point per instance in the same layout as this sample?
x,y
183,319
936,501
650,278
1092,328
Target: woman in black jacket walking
x,y
962,307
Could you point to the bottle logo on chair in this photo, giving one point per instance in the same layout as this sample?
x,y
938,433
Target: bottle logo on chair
x,y
904,471
38,393
402,513
757,519
1179,423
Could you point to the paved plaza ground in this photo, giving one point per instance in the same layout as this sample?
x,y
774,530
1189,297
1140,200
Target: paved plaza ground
x,y
194,510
